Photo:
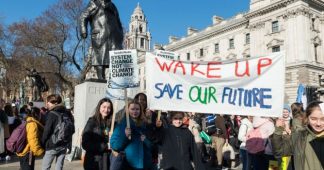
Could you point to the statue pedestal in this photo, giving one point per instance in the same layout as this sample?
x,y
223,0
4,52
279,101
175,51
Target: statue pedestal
x,y
87,96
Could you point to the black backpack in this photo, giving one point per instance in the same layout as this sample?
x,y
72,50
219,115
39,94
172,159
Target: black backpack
x,y
63,130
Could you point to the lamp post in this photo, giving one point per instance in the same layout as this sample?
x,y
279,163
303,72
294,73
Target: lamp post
x,y
22,93
2,78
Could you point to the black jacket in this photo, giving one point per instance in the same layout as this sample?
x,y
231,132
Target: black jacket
x,y
95,143
51,122
178,149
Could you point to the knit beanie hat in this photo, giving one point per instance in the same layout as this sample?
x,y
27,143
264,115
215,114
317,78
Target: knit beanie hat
x,y
287,107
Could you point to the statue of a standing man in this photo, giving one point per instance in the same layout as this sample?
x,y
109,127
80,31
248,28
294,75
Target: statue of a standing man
x,y
106,32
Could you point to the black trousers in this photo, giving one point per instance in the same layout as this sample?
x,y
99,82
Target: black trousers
x,y
27,162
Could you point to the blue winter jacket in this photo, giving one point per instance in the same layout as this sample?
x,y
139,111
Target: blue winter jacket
x,y
138,153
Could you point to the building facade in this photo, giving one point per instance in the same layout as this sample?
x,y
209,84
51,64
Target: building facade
x,y
293,26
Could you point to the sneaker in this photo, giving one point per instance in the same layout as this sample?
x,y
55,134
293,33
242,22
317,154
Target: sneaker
x,y
8,158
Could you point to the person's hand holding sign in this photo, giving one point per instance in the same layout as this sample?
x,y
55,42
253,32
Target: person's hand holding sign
x,y
128,132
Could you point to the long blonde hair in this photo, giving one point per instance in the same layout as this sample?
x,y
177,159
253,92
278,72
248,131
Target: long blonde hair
x,y
141,119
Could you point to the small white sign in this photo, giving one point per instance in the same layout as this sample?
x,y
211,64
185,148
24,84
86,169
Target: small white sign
x,y
167,54
123,69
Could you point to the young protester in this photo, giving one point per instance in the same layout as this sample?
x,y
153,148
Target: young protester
x,y
95,137
4,130
287,117
13,118
266,128
246,126
195,129
219,138
142,99
150,116
179,149
56,149
284,162
33,147
298,114
307,145
133,141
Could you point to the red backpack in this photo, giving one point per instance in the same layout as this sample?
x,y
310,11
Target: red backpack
x,y
255,144
17,141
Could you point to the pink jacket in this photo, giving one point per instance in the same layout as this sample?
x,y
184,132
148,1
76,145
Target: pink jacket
x,y
267,128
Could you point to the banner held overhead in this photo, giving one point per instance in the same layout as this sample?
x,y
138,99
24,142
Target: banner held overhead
x,y
253,86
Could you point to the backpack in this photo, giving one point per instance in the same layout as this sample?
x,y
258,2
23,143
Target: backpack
x,y
64,129
17,141
255,144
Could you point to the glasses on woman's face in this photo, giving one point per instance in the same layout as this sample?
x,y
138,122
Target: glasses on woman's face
x,y
177,118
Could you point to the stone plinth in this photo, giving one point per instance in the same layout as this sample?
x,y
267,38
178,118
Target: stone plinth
x,y
87,96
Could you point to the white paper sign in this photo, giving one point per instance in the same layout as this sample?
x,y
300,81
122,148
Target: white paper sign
x,y
123,69
167,54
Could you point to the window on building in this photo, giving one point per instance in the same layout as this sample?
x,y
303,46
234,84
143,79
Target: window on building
x,y
247,38
315,52
178,57
140,28
275,49
141,17
188,56
142,43
144,84
231,43
275,26
313,23
216,48
248,56
201,52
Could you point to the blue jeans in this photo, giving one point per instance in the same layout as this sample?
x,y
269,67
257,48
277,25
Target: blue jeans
x,y
245,158
49,157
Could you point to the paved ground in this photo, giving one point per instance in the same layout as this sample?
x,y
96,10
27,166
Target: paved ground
x,y
74,165
14,165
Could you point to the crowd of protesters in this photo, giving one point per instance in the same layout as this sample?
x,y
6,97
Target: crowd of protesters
x,y
40,125
152,140
175,141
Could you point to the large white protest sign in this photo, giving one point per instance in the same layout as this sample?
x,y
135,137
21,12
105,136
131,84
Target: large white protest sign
x,y
123,69
253,86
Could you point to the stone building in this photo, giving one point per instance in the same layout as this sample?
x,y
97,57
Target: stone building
x,y
293,26
138,37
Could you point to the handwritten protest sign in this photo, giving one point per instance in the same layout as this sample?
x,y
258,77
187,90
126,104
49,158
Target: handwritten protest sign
x,y
243,87
123,69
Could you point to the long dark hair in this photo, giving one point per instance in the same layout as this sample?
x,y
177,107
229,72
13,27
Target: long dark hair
x,y
34,112
137,96
97,116
312,106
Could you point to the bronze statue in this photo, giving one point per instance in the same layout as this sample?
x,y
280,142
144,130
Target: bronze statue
x,y
106,32
38,85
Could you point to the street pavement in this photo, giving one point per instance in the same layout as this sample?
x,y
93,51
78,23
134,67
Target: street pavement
x,y
13,164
